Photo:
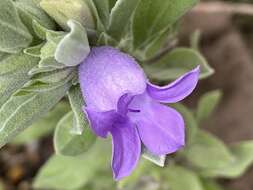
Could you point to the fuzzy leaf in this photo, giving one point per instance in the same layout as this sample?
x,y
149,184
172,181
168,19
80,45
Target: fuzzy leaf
x,y
74,47
68,144
33,51
152,17
177,62
179,178
44,126
158,160
243,159
19,112
207,103
191,124
103,10
208,152
71,173
14,36
120,17
29,12
77,103
14,74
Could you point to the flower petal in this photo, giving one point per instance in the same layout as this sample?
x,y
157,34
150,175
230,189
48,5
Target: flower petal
x,y
126,149
177,90
101,122
161,128
106,74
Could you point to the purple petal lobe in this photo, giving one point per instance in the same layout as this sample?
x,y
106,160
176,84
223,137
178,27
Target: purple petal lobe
x,y
106,74
177,90
101,122
126,149
161,128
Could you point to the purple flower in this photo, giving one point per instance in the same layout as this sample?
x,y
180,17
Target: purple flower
x,y
121,101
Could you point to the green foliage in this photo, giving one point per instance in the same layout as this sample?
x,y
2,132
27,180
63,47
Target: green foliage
x,y
63,10
22,110
77,103
177,62
69,144
206,151
13,74
158,160
29,11
153,17
14,36
43,126
120,17
190,122
243,159
71,173
179,178
207,103
74,47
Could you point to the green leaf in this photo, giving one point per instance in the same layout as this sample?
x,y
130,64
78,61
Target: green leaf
x,y
54,76
243,159
179,178
3,56
14,36
64,10
177,62
190,122
211,185
29,12
19,112
71,173
50,62
207,103
120,17
152,17
44,126
144,168
158,160
112,3
77,103
33,51
74,47
208,152
68,144
14,74
103,10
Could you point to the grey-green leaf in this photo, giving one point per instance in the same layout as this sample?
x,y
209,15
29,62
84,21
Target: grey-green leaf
x,y
14,74
44,126
207,103
120,17
243,154
74,47
69,144
71,173
19,112
176,63
34,50
179,178
208,152
77,103
103,9
14,36
191,124
30,11
152,17
158,160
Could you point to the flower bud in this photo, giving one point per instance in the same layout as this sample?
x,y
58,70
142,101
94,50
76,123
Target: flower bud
x,y
63,10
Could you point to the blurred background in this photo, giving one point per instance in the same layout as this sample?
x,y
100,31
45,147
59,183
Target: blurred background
x,y
226,40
